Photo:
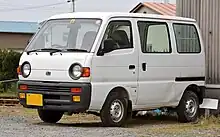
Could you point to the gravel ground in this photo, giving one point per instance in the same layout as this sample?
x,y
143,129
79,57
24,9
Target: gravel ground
x,y
20,122
20,127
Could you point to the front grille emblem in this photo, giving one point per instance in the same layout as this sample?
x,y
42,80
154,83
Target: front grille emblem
x,y
48,73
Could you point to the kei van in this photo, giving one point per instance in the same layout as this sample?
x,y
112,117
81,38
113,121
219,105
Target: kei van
x,y
113,65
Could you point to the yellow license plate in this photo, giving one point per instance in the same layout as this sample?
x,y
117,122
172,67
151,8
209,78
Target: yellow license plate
x,y
34,99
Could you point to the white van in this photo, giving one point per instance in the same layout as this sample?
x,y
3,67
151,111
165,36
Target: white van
x,y
113,65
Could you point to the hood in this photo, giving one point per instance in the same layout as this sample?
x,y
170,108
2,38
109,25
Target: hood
x,y
58,64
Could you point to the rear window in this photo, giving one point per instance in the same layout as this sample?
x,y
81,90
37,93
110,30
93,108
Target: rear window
x,y
187,38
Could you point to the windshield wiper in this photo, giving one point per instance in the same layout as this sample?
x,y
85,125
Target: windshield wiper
x,y
75,50
44,49
68,50
28,52
57,50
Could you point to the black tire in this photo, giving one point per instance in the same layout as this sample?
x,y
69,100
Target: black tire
x,y
49,116
134,114
183,116
105,114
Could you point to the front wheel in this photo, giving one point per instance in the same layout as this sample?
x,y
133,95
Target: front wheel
x,y
49,116
188,108
114,112
134,114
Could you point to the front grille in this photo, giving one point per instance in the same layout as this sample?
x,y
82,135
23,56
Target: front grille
x,y
51,97
48,88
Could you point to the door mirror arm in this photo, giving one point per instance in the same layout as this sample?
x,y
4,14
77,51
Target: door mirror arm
x,y
109,45
100,52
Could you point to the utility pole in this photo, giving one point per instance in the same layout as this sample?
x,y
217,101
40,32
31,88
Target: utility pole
x,y
73,4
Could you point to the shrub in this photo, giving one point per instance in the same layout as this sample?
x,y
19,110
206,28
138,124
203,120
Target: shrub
x,y
9,61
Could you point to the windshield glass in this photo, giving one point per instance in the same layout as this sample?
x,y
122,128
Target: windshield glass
x,y
66,34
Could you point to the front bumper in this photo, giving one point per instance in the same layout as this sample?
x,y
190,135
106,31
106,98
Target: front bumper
x,y
57,95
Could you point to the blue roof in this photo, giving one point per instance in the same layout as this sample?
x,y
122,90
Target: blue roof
x,y
18,27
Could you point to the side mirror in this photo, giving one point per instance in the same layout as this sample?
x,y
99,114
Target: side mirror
x,y
109,45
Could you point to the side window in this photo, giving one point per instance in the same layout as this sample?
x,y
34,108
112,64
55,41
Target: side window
x,y
121,33
187,38
154,37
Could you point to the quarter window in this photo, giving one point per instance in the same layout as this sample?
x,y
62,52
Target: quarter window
x,y
154,37
187,38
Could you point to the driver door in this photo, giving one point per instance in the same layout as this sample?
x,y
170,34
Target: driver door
x,y
118,68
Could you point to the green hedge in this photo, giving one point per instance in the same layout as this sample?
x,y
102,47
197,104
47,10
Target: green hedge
x,y
9,61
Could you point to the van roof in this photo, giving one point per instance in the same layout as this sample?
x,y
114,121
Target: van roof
x,y
107,15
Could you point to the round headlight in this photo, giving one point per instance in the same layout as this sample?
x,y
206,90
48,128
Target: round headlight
x,y
75,71
26,69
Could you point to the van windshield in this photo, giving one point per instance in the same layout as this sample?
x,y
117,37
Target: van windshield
x,y
75,34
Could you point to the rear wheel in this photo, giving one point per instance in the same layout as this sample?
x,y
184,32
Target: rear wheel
x,y
114,111
188,108
49,116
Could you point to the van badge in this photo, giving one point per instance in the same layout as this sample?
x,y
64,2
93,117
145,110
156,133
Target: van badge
x,y
48,73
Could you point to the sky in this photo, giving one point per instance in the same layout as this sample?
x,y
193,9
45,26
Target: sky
x,y
38,10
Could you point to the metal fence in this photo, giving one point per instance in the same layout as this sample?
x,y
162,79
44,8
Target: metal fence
x,y
7,83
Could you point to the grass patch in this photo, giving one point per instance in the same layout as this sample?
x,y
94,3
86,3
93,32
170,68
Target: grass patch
x,y
212,120
29,111
8,94
204,127
10,91
80,118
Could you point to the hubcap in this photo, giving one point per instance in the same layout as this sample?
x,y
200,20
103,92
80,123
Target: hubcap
x,y
116,111
191,107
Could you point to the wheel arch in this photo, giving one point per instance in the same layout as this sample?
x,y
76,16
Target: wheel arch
x,y
122,92
198,90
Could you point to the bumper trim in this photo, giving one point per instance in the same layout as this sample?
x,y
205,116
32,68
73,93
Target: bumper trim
x,y
50,93
56,100
53,101
65,108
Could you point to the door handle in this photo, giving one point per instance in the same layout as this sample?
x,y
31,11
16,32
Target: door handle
x,y
131,66
144,66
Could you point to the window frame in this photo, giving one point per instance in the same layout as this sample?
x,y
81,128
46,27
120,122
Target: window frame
x,y
131,33
41,28
145,37
187,24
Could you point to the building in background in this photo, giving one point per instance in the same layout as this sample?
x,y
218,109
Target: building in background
x,y
155,8
206,12
15,35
